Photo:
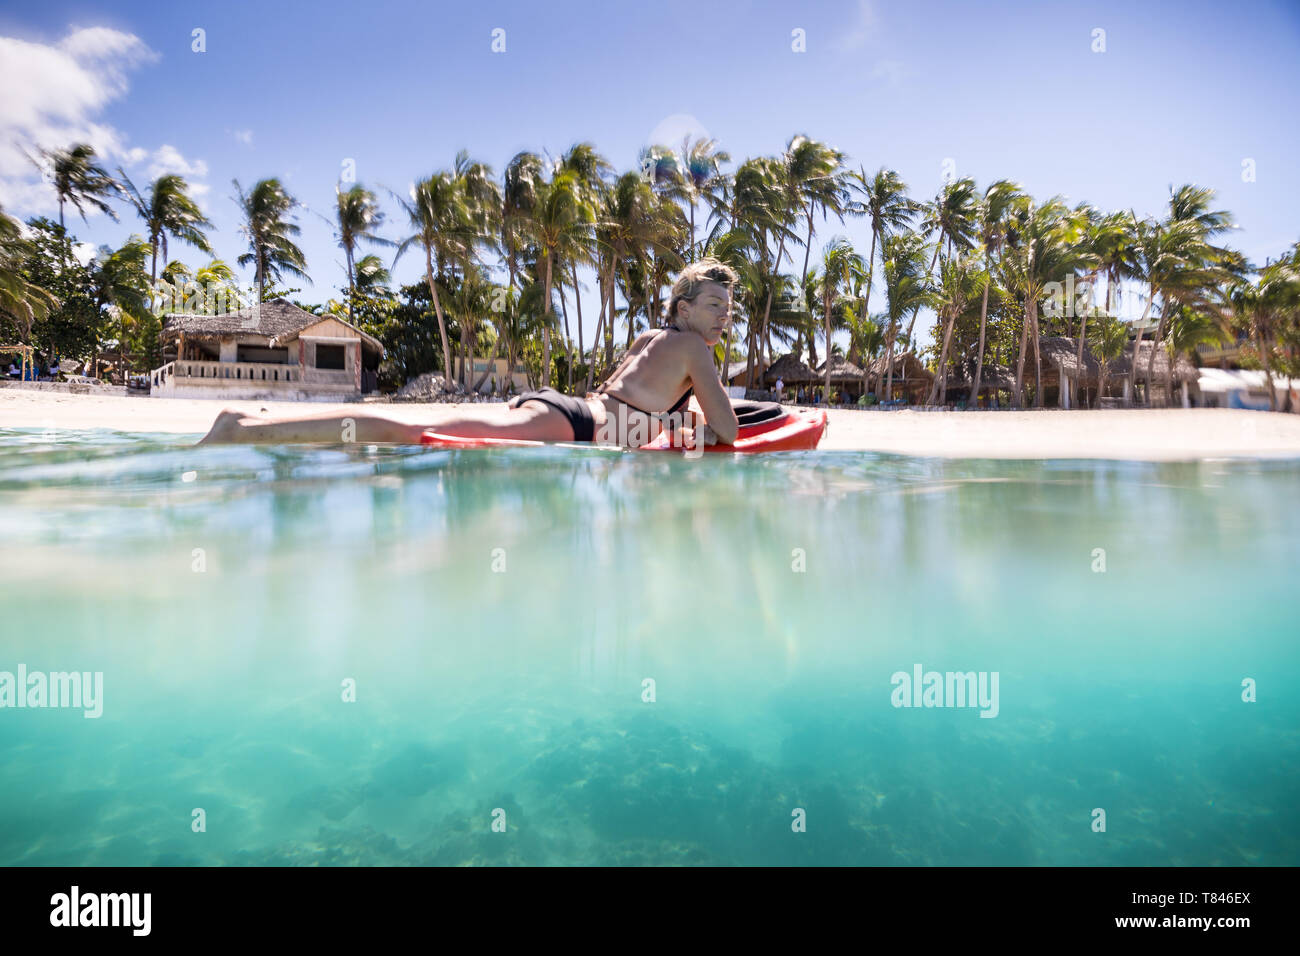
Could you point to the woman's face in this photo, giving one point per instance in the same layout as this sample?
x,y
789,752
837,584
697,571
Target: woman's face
x,y
710,313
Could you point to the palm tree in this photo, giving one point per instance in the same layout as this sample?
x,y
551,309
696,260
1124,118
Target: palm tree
x,y
1204,268
885,203
1167,255
20,300
560,222
79,180
1109,336
438,212
1112,246
358,217
803,175
999,199
761,205
866,338
951,217
589,169
1043,246
117,282
220,287
817,169
168,210
266,226
700,166
840,265
1188,328
1267,306
469,300
483,208
957,286
907,289
370,276
523,175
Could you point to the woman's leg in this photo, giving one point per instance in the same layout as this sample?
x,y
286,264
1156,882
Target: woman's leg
x,y
233,426
531,420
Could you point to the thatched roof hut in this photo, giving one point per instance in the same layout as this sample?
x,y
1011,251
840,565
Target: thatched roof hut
x,y
842,370
992,377
1183,371
906,366
734,374
911,377
1060,354
789,369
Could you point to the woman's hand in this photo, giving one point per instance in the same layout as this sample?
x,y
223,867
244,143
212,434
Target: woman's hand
x,y
705,435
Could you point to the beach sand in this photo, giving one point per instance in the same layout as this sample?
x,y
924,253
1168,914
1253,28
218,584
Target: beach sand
x,y
1136,434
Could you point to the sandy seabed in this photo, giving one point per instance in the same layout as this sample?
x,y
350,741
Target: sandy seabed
x,y
1135,434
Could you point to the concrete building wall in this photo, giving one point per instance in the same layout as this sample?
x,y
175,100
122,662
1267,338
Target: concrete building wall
x,y
289,392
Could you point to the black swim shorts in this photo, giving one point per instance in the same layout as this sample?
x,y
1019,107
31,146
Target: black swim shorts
x,y
575,410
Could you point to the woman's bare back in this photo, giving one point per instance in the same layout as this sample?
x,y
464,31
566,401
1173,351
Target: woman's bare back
x,y
655,372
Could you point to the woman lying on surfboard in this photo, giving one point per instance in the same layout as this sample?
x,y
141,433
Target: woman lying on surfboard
x,y
633,405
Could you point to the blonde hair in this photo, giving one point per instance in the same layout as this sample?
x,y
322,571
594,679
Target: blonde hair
x,y
690,282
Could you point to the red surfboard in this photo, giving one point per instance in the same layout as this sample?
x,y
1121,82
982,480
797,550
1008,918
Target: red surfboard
x,y
798,430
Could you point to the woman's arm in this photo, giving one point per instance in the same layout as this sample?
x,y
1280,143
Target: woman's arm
x,y
714,402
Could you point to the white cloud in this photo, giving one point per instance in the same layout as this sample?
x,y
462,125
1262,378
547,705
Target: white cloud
x,y
860,29
244,136
62,87
83,252
168,159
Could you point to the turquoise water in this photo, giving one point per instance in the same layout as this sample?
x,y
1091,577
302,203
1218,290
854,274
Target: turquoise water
x,y
499,614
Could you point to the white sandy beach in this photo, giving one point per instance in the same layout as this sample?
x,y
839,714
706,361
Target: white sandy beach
x,y
1140,434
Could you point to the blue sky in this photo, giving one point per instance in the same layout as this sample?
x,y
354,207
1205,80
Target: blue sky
x,y
1184,92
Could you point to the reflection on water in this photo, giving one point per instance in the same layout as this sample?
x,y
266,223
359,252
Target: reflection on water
x,y
642,658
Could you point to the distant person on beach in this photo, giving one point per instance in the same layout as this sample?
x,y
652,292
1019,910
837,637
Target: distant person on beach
x,y
630,409
13,370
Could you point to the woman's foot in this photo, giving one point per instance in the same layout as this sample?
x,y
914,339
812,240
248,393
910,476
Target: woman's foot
x,y
227,428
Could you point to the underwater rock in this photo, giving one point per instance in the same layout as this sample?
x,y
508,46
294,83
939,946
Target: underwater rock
x,y
416,770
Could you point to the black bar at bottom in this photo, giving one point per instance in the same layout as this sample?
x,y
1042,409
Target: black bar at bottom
x,y
331,906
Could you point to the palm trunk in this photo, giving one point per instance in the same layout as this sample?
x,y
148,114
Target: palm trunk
x,y
1083,331
771,289
496,347
1151,360
606,305
1038,362
939,390
1019,395
568,341
1262,343
1137,342
631,318
979,358
437,309
577,301
609,322
871,268
546,325
826,317
352,282
807,249
888,374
